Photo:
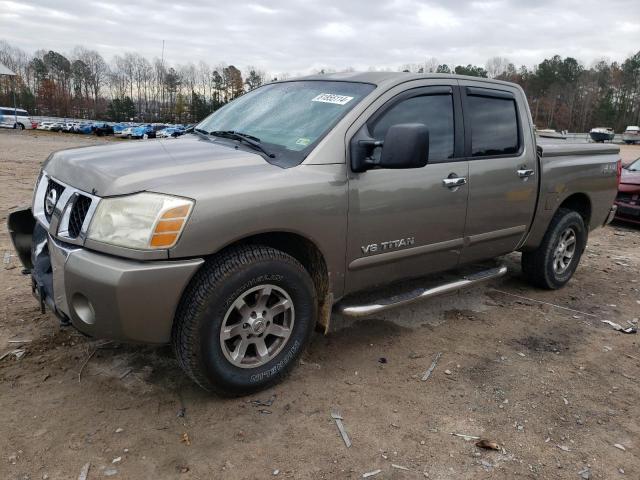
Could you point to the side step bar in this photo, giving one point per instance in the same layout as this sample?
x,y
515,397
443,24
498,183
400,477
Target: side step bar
x,y
420,293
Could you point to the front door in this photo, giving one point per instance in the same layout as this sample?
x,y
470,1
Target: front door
x,y
503,170
409,222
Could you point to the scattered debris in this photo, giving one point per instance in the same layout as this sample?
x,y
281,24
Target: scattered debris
x,y
263,403
607,348
585,473
18,353
447,372
264,411
116,460
631,356
185,439
566,402
338,419
621,447
619,327
488,444
276,472
93,352
371,473
545,303
399,467
19,341
125,373
486,464
382,360
414,355
84,471
521,354
182,411
466,437
119,430
564,448
110,472
430,370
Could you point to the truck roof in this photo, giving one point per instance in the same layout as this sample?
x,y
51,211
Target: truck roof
x,y
394,78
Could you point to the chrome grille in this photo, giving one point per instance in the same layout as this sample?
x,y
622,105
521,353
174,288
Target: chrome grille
x,y
78,214
73,210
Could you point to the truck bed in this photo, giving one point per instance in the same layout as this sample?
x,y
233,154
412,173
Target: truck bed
x,y
567,170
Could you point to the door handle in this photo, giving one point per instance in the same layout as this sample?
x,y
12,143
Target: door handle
x,y
454,182
526,172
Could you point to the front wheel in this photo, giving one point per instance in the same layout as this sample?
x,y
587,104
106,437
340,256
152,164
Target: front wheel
x,y
554,262
244,320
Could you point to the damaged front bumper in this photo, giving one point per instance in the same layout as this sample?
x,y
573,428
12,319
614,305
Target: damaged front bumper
x,y
628,212
102,295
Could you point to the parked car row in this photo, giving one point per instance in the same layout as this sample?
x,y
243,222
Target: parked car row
x,y
123,130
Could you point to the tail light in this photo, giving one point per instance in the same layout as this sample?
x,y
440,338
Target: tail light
x,y
619,172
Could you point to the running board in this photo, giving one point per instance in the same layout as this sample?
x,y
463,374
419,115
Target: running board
x,y
352,310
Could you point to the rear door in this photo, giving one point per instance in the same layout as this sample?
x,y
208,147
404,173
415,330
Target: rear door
x,y
503,169
408,222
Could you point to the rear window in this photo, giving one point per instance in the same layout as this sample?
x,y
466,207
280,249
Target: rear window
x,y
494,126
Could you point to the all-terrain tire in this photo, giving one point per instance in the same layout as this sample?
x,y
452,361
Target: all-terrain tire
x,y
211,295
538,265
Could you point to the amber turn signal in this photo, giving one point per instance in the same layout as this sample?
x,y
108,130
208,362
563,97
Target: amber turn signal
x,y
169,226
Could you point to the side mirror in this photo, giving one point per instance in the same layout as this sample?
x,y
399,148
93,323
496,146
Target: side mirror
x,y
406,145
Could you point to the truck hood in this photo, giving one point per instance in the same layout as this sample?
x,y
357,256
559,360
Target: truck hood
x,y
630,178
167,166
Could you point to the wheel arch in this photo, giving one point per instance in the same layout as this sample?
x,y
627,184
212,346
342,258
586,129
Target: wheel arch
x,y
308,254
578,202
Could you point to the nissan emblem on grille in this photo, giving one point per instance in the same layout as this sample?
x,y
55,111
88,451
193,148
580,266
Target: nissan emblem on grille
x,y
50,201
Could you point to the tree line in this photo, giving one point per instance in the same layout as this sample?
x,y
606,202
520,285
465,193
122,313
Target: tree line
x,y
563,93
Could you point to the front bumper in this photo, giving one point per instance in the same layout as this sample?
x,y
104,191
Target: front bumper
x,y
103,296
628,212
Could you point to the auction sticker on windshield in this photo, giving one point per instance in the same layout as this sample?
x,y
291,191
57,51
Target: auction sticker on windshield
x,y
332,98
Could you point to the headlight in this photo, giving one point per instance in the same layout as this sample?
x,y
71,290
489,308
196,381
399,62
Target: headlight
x,y
144,221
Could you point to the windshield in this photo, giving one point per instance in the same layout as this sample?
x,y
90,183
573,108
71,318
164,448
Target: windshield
x,y
287,118
635,166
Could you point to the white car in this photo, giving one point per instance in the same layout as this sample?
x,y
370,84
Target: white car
x,y
631,134
46,125
18,118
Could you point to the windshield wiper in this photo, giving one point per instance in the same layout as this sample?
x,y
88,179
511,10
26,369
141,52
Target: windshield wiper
x,y
199,130
242,137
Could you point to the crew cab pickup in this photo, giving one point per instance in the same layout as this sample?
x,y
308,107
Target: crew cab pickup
x,y
235,241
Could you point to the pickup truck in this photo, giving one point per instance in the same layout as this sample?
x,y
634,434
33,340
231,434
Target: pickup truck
x,y
235,241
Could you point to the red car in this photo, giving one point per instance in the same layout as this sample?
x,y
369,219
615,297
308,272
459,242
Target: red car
x,y
628,199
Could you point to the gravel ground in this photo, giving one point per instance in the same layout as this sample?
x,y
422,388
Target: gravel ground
x,y
556,389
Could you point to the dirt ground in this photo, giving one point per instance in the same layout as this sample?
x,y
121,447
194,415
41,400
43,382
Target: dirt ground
x,y
556,389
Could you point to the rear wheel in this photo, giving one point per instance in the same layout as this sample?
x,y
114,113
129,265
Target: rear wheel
x,y
554,262
244,320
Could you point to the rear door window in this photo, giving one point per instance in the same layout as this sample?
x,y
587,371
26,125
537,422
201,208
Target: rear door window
x,y
494,125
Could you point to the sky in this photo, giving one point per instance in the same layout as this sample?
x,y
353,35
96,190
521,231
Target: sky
x,y
303,36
